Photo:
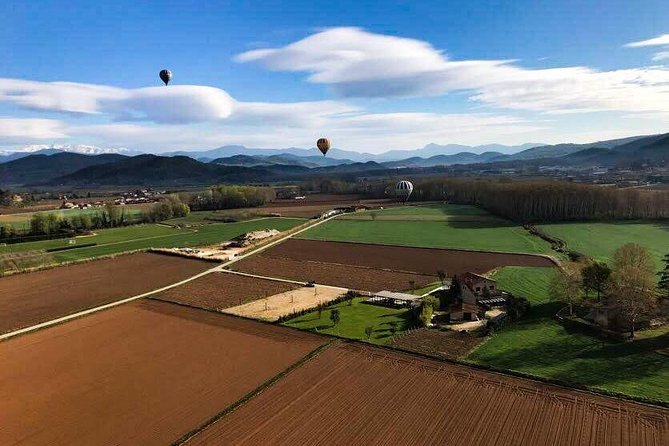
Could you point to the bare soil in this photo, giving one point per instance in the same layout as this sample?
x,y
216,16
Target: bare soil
x,y
446,344
402,258
144,373
352,277
315,205
30,298
217,291
284,304
353,394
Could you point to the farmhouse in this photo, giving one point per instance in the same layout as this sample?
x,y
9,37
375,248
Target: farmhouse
x,y
393,299
477,294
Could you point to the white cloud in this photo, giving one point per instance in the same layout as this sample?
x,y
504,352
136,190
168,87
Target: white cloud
x,y
20,131
656,41
662,55
179,103
357,63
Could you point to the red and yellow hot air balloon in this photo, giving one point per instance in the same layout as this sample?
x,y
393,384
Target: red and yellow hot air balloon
x,y
323,145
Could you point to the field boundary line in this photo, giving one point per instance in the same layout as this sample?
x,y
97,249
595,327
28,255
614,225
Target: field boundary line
x,y
256,276
255,392
517,253
79,314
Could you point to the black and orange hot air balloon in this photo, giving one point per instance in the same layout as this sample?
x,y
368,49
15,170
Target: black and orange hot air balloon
x,y
323,145
165,76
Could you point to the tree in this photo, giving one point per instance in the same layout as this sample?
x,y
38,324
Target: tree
x,y
393,327
335,317
442,276
565,286
431,302
633,255
6,231
632,285
320,310
663,284
425,315
368,331
595,278
412,285
372,215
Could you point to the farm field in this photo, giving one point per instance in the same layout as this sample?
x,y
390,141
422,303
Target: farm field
x,y
445,344
472,232
353,394
218,290
142,373
275,306
22,220
400,258
345,276
112,241
538,345
600,240
354,319
30,298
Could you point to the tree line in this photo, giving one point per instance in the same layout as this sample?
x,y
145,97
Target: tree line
x,y
547,201
230,197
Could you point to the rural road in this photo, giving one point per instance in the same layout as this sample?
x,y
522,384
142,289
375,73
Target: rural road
x,y
220,267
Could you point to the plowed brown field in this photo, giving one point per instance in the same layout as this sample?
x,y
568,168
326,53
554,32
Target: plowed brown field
x,y
401,258
217,291
352,394
353,277
144,373
30,298
446,344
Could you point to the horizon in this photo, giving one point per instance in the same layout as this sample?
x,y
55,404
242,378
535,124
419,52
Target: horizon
x,y
267,76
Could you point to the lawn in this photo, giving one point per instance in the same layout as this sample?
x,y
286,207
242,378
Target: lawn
x,y
112,241
495,235
354,319
540,346
430,212
600,240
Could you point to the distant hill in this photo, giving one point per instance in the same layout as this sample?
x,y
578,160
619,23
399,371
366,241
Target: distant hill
x,y
281,159
558,150
448,160
40,168
164,171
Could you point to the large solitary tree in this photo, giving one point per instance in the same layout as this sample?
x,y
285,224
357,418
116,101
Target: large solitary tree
x,y
663,284
632,286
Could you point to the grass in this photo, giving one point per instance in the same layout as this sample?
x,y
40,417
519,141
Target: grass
x,y
538,345
129,238
22,220
432,226
208,217
600,240
432,234
354,319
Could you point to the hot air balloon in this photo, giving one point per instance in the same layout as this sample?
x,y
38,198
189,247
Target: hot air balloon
x,y
403,190
165,76
323,145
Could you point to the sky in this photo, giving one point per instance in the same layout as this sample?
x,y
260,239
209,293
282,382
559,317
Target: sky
x,y
370,75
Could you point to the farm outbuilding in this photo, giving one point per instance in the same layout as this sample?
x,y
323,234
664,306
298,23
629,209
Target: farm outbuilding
x,y
393,299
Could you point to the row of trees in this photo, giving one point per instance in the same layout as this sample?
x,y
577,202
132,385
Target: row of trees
x,y
230,197
630,284
170,207
547,201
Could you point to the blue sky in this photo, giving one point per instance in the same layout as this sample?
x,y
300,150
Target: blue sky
x,y
374,75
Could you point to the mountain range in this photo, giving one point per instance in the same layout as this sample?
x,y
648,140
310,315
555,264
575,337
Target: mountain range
x,y
62,166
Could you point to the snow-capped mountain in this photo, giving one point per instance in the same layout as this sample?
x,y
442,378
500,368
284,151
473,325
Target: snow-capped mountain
x,y
73,148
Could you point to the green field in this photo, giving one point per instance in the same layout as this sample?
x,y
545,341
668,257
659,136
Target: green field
x,y
129,238
22,220
540,346
354,319
600,240
462,227
206,217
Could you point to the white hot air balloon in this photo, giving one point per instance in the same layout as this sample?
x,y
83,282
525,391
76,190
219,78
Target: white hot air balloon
x,y
403,190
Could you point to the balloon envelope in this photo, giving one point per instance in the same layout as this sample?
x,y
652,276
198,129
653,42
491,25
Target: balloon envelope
x,y
403,189
165,76
323,145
